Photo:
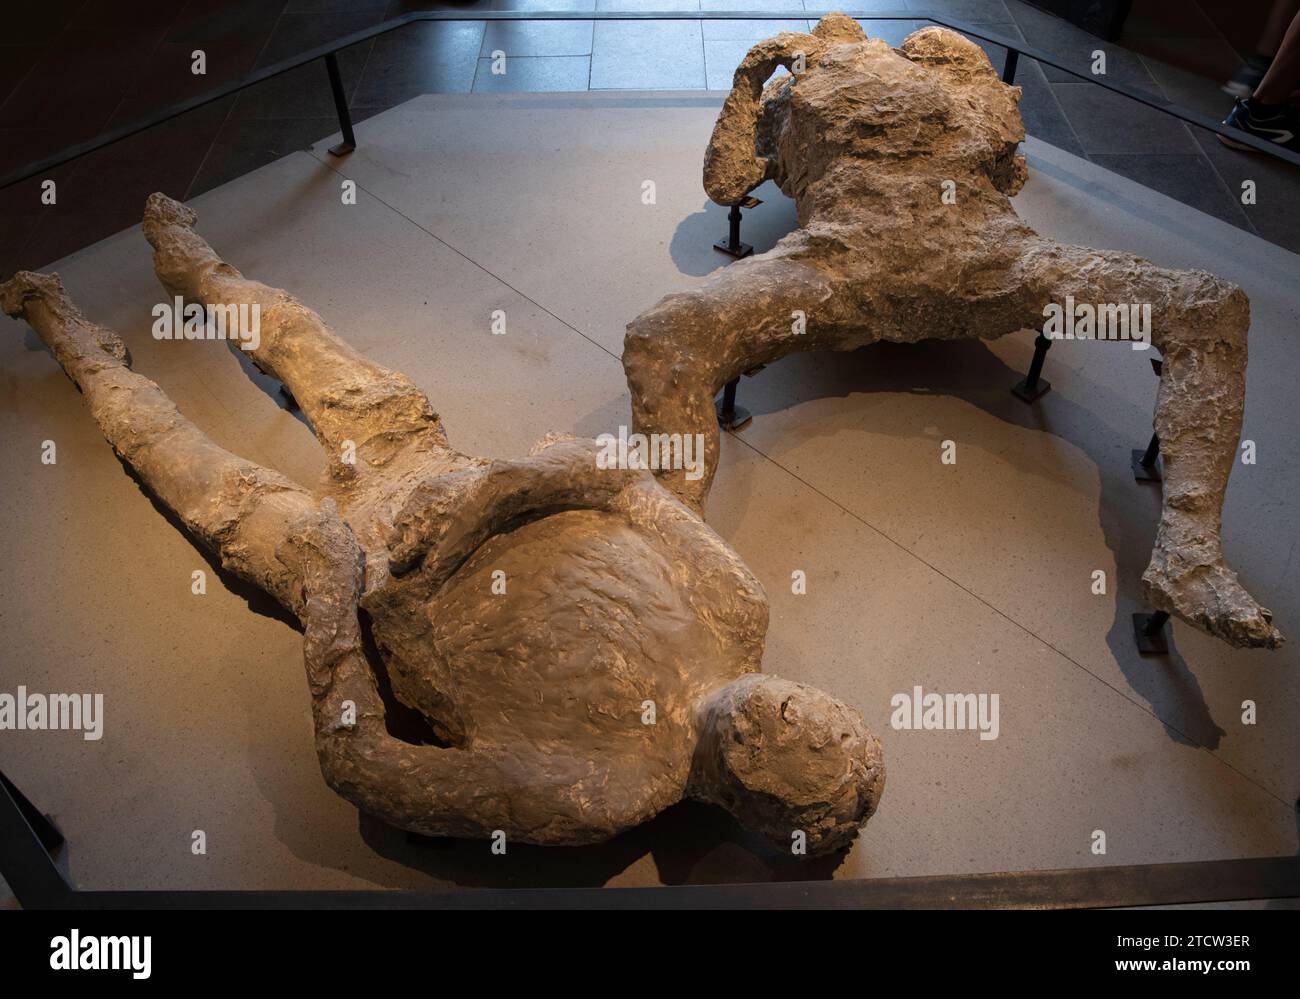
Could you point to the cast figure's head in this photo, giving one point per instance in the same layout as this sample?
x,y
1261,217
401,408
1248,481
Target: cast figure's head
x,y
788,760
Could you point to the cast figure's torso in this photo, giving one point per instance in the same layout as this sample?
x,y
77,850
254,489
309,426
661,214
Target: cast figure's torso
x,y
900,179
571,634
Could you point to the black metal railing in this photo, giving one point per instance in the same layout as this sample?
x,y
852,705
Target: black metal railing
x,y
28,840
328,54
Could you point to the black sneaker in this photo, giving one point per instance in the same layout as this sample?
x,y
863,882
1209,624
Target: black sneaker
x,y
1248,77
1271,122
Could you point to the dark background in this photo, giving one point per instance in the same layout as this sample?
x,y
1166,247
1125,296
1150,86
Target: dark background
x,y
72,69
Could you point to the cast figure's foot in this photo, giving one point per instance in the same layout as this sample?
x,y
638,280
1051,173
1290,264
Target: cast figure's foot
x,y
1208,595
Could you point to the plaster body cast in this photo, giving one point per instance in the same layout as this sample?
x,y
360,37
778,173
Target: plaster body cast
x,y
902,163
526,609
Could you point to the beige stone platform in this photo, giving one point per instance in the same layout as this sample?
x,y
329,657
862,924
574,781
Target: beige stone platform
x,y
967,578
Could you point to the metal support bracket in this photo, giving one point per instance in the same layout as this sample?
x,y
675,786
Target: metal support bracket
x,y
1149,633
1033,386
731,416
732,246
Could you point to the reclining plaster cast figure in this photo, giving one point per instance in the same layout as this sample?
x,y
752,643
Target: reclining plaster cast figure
x,y
618,598
864,137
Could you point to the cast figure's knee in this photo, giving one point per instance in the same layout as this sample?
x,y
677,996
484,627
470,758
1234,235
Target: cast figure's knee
x,y
659,355
1204,311
1234,313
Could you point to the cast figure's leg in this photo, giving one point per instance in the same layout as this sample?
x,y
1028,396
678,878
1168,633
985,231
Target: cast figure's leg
x,y
271,532
680,352
1199,323
239,510
354,404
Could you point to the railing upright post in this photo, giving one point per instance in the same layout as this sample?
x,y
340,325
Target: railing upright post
x,y
1009,67
349,142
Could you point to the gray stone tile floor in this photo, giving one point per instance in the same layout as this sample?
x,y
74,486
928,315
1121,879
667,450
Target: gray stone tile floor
x,y
72,69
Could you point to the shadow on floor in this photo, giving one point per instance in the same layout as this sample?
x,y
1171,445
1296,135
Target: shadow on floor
x,y
970,371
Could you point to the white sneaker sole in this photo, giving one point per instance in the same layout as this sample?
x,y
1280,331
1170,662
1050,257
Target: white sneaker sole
x,y
1233,144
